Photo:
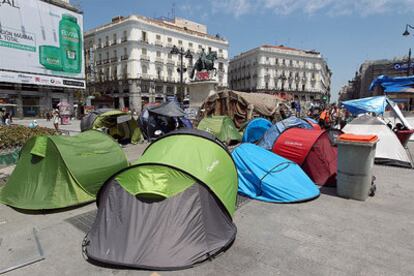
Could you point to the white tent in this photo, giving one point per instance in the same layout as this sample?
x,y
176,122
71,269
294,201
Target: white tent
x,y
389,149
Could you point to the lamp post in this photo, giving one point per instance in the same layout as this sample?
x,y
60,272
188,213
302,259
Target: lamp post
x,y
407,33
181,70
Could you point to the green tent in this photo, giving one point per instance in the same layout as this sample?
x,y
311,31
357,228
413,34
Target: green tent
x,y
171,209
120,125
222,127
62,171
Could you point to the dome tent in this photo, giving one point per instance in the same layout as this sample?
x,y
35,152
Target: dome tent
x,y
62,171
120,124
313,150
266,176
255,130
389,150
166,212
222,127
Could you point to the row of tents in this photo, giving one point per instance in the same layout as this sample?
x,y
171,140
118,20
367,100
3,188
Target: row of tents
x,y
174,206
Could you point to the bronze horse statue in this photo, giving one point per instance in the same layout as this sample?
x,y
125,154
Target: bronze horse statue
x,y
204,63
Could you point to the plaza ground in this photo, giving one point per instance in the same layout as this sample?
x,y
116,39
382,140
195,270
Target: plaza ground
x,y
326,236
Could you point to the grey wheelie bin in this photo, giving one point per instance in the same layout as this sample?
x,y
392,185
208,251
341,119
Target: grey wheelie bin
x,y
356,155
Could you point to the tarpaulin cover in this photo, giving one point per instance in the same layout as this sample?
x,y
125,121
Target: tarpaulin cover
x,y
313,150
269,177
242,107
222,127
171,209
272,134
62,171
168,109
375,104
255,130
394,84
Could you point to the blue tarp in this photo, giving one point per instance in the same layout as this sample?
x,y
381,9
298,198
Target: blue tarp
x,y
394,85
270,136
255,130
375,104
269,177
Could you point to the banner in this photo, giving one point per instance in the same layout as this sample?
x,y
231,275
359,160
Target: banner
x,y
41,43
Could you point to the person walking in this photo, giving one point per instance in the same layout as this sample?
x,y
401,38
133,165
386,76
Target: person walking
x,y
56,119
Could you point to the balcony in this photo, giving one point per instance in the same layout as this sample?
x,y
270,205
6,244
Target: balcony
x,y
169,45
145,76
105,61
106,44
144,41
159,60
170,62
124,57
114,43
158,43
145,58
98,62
124,39
171,79
114,59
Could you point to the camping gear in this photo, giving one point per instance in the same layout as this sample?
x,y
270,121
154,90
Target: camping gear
x,y
62,171
356,155
312,122
273,133
165,117
255,130
404,136
118,124
389,150
269,177
171,209
392,85
242,106
222,127
313,150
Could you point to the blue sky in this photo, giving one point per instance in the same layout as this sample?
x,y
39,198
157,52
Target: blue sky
x,y
346,32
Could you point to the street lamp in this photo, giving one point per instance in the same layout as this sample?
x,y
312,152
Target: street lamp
x,y
407,33
181,70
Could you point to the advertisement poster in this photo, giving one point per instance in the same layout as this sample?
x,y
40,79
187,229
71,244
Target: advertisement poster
x,y
41,43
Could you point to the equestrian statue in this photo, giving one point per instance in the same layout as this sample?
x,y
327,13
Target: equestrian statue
x,y
204,63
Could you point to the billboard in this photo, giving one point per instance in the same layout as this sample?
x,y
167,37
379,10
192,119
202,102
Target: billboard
x,y
41,44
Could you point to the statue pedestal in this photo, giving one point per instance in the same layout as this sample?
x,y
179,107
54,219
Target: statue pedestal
x,y
198,91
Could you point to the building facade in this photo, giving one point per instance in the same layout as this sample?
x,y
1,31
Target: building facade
x,y
31,90
287,72
358,87
129,62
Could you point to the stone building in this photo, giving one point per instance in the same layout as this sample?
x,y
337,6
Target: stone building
x,y
280,70
129,62
358,87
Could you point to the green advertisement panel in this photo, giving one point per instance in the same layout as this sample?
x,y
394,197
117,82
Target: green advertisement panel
x,y
41,43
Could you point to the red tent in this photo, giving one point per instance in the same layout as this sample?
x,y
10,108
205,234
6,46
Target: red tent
x,y
312,150
314,125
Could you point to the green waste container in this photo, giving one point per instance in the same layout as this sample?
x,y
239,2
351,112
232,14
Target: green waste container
x,y
356,154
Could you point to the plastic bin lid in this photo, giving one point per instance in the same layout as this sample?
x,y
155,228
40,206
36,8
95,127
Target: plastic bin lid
x,y
349,137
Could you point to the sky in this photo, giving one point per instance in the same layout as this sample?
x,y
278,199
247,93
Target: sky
x,y
346,32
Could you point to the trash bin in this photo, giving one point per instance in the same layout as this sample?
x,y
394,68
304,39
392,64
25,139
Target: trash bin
x,y
356,155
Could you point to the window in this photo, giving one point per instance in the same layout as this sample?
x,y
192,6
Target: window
x,y
107,40
169,56
125,36
267,58
144,69
125,51
144,36
115,39
220,51
209,49
267,85
115,54
159,71
180,42
99,43
100,57
170,72
200,46
190,44
107,55
144,51
303,87
158,37
158,54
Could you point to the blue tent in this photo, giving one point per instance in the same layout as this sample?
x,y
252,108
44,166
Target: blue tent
x,y
375,104
394,85
255,130
271,135
269,177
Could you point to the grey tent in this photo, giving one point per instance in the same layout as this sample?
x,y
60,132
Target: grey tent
x,y
165,212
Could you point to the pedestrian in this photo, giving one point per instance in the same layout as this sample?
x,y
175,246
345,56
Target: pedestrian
x,y
297,108
7,119
56,119
1,116
324,118
48,116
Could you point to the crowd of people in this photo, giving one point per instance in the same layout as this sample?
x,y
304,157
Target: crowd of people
x,y
334,116
5,118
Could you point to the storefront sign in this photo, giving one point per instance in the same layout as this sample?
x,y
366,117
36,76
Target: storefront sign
x,y
402,66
